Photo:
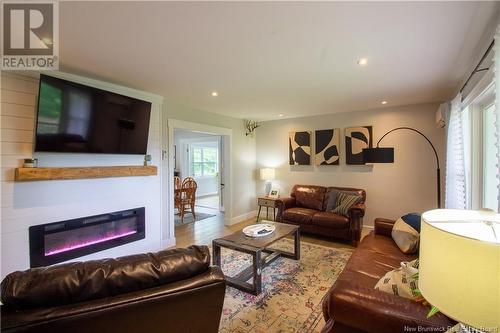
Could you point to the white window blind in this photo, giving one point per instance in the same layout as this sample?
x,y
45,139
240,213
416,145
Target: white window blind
x,y
455,192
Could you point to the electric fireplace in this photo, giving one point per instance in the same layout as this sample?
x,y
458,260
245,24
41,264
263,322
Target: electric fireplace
x,y
60,241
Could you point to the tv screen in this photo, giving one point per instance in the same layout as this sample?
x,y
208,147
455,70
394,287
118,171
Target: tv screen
x,y
80,119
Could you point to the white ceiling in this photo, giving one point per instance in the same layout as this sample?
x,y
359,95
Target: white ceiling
x,y
267,58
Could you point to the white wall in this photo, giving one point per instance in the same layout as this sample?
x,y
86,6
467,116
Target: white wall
x,y
408,185
31,203
242,156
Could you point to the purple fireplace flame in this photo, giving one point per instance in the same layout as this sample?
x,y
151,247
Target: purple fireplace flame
x,y
75,245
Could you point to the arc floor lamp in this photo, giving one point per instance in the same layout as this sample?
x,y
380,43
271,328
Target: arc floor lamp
x,y
386,155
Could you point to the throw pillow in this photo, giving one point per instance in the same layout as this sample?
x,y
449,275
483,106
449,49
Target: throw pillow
x,y
345,202
401,281
332,199
413,219
405,234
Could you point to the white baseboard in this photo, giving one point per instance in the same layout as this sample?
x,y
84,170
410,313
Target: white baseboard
x,y
166,243
240,218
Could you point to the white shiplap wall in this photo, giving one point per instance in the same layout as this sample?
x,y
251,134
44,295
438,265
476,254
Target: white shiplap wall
x,y
31,203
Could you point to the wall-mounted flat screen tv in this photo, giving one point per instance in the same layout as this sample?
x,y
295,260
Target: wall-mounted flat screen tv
x,y
75,118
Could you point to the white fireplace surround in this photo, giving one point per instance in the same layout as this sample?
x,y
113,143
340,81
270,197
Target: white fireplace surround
x,y
33,203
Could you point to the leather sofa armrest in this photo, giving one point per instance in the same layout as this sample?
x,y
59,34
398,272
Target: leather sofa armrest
x,y
383,226
284,204
356,214
358,210
373,311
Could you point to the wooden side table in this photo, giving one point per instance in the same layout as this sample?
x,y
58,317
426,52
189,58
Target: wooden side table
x,y
268,203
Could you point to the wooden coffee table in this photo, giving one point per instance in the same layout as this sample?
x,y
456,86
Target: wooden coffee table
x,y
262,255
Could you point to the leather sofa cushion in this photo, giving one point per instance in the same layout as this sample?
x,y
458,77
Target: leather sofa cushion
x,y
374,257
299,215
330,220
309,196
82,281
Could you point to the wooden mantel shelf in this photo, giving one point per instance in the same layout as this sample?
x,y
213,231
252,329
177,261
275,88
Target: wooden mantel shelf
x,y
35,174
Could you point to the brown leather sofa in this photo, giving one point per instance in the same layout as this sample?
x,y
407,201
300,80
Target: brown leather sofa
x,y
353,305
170,291
307,207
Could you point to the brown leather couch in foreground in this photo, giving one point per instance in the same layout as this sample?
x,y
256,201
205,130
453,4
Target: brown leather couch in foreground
x,y
353,305
307,205
170,291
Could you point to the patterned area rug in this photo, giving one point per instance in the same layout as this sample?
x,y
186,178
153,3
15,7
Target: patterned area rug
x,y
188,218
291,295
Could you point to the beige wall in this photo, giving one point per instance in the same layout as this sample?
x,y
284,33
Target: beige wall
x,y
408,185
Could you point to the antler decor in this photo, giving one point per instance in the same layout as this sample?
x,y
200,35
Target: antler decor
x,y
250,126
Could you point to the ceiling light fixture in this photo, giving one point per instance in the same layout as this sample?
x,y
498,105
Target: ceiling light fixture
x,y
215,94
384,102
281,115
363,62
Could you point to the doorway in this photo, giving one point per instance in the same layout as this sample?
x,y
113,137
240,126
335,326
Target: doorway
x,y
203,153
199,156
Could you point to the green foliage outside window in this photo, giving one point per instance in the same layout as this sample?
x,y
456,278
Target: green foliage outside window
x,y
205,161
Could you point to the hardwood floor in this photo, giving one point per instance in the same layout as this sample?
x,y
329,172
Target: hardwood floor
x,y
204,231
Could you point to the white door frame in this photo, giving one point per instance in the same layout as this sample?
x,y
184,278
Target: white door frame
x,y
168,173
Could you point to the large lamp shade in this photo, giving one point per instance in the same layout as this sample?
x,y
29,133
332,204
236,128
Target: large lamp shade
x,y
267,174
378,155
459,269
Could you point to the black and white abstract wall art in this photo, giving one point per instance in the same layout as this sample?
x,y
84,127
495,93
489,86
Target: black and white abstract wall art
x,y
357,138
327,147
299,146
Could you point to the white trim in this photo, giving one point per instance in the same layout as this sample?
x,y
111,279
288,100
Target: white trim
x,y
241,218
197,127
369,227
118,89
166,243
480,87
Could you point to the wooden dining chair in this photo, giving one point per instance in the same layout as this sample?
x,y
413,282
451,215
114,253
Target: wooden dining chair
x,y
188,179
177,182
187,198
177,193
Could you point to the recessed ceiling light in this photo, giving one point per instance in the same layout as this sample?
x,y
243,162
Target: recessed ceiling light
x,y
215,94
281,115
363,62
384,102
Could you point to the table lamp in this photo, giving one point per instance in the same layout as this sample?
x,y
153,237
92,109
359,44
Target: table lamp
x,y
459,269
267,174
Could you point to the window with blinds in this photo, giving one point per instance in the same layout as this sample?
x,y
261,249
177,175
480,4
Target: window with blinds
x,y
480,143
456,191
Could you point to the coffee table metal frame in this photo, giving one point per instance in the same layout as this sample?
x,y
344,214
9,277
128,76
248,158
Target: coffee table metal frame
x,y
261,257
